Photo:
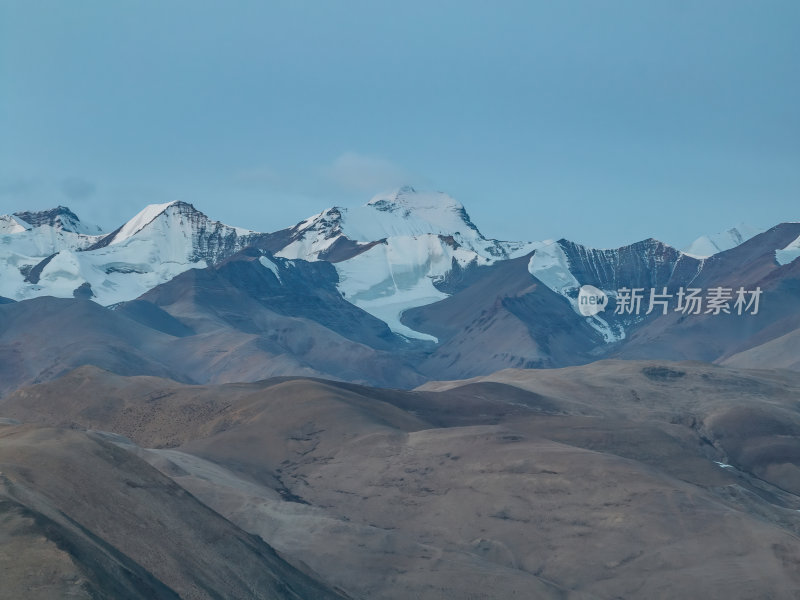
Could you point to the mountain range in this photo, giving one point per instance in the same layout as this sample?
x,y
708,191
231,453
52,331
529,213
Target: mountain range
x,y
399,291
380,402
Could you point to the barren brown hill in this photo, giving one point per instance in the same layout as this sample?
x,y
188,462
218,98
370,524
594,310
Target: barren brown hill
x,y
81,517
615,479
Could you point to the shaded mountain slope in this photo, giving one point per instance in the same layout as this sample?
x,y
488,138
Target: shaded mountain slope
x,y
247,319
89,519
43,338
714,337
523,312
502,318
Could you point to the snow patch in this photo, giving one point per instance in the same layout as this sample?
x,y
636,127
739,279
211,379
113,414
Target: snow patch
x,y
789,253
271,266
11,225
708,245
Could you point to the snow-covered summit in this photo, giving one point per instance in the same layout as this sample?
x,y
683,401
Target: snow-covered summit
x,y
432,212
396,251
60,218
31,237
141,220
708,245
404,212
160,242
173,216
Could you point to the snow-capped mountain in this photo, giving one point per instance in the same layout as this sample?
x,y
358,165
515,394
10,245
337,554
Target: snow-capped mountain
x,y
396,251
27,239
708,245
402,213
156,245
235,304
60,218
400,251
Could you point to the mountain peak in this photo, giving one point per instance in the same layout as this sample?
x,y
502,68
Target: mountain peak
x,y
434,211
60,217
409,199
149,214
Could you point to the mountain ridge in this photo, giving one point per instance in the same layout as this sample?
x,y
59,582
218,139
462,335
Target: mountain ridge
x,y
405,283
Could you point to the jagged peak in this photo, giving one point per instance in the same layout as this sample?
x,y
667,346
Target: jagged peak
x,y
151,213
60,217
650,242
141,220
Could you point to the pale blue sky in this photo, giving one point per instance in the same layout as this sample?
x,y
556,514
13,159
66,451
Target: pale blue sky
x,y
604,122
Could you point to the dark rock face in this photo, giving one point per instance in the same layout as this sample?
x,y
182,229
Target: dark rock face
x,y
211,240
60,217
345,249
646,264
83,291
35,272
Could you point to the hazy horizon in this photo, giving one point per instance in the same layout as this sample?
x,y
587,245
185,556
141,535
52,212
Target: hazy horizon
x,y
601,124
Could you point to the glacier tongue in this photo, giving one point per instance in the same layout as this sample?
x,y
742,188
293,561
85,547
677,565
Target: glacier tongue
x,y
399,274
